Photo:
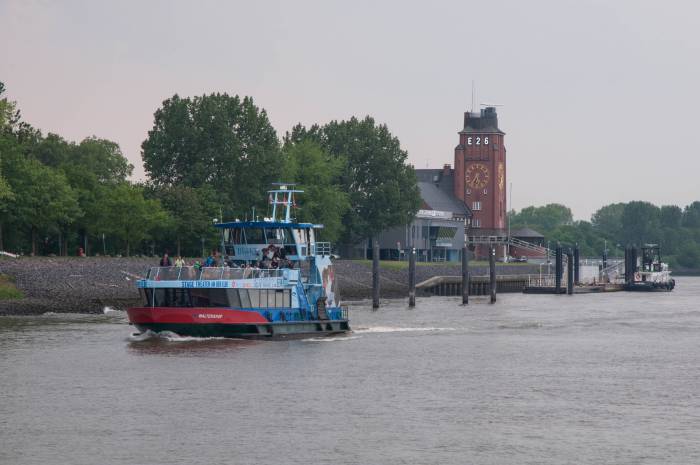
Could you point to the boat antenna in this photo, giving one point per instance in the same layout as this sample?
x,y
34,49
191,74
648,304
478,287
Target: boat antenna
x,y
473,97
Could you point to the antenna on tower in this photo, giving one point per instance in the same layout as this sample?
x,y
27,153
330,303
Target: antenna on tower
x,y
473,97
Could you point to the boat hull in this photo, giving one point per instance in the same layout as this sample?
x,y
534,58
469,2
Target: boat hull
x,y
650,287
221,322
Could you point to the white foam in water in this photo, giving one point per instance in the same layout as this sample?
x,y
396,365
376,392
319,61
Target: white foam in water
x,y
391,329
170,337
331,339
110,310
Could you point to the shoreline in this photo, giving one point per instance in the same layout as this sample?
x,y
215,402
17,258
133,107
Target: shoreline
x,y
88,285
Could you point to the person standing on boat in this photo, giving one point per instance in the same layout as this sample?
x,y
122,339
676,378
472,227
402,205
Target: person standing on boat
x,y
165,261
179,262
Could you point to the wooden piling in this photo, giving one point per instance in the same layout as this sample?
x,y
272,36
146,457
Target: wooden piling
x,y
465,276
492,273
375,273
412,278
570,273
577,267
558,269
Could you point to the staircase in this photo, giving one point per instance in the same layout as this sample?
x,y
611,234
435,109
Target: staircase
x,y
505,240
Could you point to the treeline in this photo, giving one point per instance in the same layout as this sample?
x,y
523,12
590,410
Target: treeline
x,y
675,229
206,158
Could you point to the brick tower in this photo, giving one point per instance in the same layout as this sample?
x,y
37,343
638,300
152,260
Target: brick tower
x,y
480,173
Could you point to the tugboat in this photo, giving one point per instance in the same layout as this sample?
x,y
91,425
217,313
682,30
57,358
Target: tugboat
x,y
276,281
652,275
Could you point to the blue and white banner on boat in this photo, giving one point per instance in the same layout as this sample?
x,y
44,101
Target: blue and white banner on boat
x,y
258,283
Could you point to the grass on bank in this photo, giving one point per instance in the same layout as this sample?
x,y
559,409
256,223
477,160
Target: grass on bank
x,y
402,265
8,290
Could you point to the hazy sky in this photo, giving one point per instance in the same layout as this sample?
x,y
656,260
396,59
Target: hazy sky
x,y
600,98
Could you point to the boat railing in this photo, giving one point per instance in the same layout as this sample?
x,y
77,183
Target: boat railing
x,y
321,248
191,273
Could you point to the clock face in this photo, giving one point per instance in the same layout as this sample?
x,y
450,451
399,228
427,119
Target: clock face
x,y
501,176
477,176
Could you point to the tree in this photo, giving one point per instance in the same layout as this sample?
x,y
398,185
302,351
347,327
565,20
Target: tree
x,y
691,215
671,216
130,216
43,198
382,188
192,211
545,219
607,221
214,140
315,172
641,222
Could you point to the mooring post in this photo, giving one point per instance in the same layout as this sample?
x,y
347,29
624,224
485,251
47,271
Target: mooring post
x,y
558,271
375,273
577,268
570,273
465,275
412,278
492,273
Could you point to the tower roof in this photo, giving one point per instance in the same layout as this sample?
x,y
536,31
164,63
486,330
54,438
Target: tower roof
x,y
484,122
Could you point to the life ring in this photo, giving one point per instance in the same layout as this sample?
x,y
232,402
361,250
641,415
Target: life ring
x,y
637,276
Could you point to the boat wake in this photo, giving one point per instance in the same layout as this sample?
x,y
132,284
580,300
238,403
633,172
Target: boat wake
x,y
169,336
392,329
331,339
111,311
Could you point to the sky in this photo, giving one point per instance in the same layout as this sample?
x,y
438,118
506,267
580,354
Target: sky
x,y
599,98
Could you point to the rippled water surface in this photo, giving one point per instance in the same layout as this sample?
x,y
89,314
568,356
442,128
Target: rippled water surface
x,y
586,379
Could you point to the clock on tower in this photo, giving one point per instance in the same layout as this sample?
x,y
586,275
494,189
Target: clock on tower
x,y
480,171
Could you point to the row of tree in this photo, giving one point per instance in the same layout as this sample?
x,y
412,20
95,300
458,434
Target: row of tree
x,y
675,229
209,157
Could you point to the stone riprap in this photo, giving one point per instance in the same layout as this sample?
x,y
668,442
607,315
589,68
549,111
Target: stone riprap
x,y
88,285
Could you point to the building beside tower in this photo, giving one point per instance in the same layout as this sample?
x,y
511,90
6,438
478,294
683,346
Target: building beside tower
x,y
465,204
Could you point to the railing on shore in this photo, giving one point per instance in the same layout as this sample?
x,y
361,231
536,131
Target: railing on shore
x,y
192,273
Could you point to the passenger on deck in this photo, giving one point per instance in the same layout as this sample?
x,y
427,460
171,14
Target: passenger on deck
x,y
165,261
210,261
179,262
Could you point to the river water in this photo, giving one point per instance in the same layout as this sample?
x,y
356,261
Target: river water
x,y
585,379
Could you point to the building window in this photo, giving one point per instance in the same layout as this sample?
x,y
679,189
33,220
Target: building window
x,y
469,191
476,206
486,191
476,223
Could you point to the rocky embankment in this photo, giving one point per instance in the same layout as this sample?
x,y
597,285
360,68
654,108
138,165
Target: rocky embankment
x,y
87,285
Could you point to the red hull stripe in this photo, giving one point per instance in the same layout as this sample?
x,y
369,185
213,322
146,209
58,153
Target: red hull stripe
x,y
201,315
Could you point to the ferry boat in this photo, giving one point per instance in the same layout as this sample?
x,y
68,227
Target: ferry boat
x,y
652,275
276,281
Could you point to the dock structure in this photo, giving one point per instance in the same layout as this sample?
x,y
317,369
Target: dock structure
x,y
478,285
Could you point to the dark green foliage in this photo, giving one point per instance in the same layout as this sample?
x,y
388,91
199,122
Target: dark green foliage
x,y
543,219
215,140
382,188
618,225
315,172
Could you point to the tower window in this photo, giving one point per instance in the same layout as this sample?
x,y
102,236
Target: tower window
x,y
476,223
476,206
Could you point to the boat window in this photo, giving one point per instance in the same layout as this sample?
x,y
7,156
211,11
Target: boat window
x,y
235,236
245,298
233,299
200,298
218,298
255,236
279,298
273,236
145,296
254,295
181,298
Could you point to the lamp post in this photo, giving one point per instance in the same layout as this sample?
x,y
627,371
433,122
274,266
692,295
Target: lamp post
x,y
510,205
